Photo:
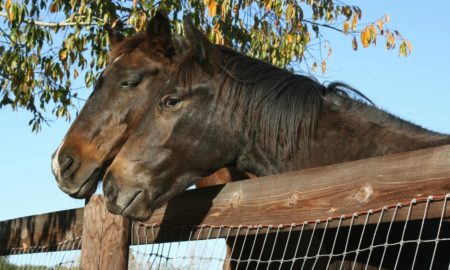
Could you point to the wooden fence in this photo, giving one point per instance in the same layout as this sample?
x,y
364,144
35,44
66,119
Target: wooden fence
x,y
293,197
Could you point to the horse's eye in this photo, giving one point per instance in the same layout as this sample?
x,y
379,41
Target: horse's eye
x,y
130,81
171,101
129,84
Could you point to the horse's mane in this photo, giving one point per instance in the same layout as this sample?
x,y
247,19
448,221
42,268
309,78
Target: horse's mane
x,y
276,108
283,107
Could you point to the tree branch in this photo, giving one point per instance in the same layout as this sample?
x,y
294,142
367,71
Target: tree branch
x,y
52,24
329,26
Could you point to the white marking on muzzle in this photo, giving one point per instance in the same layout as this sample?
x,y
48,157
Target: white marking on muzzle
x,y
55,164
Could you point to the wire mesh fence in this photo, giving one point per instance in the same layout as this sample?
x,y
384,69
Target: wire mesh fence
x,y
399,236
63,256
386,238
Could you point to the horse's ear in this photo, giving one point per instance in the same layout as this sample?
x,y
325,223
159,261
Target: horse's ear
x,y
159,33
114,35
203,50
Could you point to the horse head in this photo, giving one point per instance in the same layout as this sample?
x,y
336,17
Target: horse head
x,y
138,65
180,140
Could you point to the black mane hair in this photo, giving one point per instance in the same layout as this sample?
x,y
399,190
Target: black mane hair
x,y
274,102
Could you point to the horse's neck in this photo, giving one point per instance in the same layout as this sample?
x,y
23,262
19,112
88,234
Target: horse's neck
x,y
356,131
345,132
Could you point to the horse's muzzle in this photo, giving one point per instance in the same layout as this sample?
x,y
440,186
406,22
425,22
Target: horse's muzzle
x,y
74,178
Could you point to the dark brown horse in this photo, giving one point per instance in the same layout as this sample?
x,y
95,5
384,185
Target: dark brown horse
x,y
168,111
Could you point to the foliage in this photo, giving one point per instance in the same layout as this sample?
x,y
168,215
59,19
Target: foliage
x,y
46,46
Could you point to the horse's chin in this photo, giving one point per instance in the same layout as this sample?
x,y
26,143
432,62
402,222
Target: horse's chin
x,y
136,209
88,187
140,208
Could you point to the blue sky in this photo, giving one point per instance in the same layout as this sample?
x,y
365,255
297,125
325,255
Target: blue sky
x,y
416,88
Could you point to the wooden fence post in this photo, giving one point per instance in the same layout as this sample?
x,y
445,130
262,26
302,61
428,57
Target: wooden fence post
x,y
105,240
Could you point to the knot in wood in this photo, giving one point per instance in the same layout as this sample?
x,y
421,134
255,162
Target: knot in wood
x,y
24,234
363,195
235,198
293,200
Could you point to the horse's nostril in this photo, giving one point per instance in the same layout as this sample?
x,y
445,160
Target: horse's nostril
x,y
68,165
109,188
65,163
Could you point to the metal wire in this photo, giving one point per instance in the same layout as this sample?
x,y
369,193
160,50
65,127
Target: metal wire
x,y
356,241
64,255
402,236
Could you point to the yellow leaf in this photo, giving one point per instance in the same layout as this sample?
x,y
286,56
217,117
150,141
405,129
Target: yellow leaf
x,y
268,4
212,7
324,66
62,54
11,15
289,12
346,26
314,67
402,49
354,21
365,37
354,44
380,24
8,5
373,34
390,40
307,37
408,45
82,7
289,38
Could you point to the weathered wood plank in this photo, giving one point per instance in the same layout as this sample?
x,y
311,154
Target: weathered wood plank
x,y
105,238
288,198
316,193
41,230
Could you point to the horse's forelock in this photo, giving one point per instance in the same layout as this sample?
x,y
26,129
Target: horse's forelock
x,y
130,43
126,46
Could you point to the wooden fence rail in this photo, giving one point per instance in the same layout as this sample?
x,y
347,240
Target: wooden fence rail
x,y
287,198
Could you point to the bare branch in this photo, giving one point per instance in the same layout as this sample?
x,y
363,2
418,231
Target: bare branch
x,y
327,26
55,24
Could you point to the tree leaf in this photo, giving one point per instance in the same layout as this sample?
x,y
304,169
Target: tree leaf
x,y
365,38
346,26
268,4
380,24
289,38
324,66
354,44
408,46
354,21
63,54
11,12
289,12
212,7
54,6
8,5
